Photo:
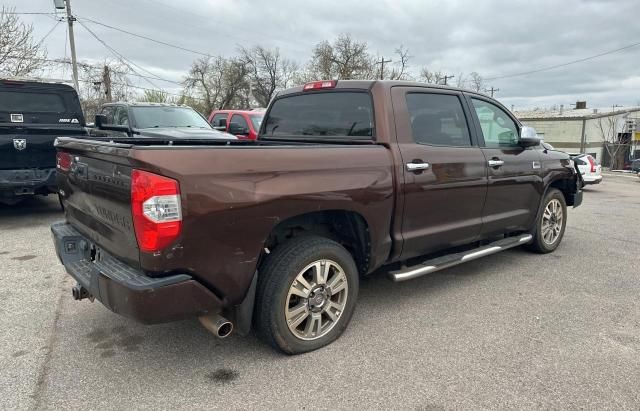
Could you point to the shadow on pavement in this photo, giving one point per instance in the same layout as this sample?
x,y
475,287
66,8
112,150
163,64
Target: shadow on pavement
x,y
25,211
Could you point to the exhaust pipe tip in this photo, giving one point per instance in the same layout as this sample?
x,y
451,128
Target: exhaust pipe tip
x,y
225,329
217,325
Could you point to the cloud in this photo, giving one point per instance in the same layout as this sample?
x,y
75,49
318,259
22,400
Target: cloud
x,y
492,37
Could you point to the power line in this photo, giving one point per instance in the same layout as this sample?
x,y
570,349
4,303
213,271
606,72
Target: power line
x,y
147,89
65,61
48,33
564,64
119,56
147,38
29,13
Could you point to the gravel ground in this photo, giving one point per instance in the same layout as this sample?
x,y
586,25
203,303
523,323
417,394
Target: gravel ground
x,y
513,330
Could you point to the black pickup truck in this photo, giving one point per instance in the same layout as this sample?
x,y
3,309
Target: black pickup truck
x,y
32,115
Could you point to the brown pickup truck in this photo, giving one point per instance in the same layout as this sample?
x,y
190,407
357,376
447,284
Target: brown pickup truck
x,y
274,234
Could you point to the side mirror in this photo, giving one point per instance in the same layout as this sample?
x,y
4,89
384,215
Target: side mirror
x,y
100,120
529,137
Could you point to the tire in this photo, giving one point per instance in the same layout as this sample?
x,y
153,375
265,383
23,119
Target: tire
x,y
283,282
545,241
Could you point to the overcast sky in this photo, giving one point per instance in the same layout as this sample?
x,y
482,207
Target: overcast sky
x,y
494,38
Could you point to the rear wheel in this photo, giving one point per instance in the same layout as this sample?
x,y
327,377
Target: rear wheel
x,y
307,291
551,223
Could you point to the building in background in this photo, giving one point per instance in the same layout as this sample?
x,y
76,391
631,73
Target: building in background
x,y
583,130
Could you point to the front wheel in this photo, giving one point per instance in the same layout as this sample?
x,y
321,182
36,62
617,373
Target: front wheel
x,y
550,223
307,291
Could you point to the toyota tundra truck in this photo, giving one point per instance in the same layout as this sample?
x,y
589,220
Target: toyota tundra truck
x,y
274,234
32,115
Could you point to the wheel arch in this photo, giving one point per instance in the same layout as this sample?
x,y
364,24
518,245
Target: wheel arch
x,y
566,185
347,227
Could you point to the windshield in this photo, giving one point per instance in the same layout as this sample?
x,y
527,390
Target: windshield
x,y
160,116
340,114
256,120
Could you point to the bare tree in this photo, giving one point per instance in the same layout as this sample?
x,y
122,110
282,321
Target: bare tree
x,y
156,96
461,80
476,82
432,77
218,82
610,129
400,69
268,72
20,55
344,59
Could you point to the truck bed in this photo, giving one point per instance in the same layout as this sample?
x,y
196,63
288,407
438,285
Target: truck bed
x,y
233,195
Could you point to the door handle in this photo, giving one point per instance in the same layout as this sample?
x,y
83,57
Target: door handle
x,y
495,163
417,166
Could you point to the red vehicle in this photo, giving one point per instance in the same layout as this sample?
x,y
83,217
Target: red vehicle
x,y
244,124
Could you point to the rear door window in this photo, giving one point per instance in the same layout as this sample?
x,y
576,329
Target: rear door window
x,y
239,122
337,115
27,102
438,119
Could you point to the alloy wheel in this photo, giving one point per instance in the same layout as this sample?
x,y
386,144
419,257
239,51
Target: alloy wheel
x,y
552,222
316,299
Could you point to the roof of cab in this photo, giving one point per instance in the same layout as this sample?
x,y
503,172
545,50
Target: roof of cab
x,y
368,84
35,83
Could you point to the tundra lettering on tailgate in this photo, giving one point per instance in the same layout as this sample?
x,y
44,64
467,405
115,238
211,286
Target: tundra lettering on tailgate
x,y
113,217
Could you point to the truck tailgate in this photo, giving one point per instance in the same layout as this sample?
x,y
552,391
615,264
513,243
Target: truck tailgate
x,y
96,193
31,147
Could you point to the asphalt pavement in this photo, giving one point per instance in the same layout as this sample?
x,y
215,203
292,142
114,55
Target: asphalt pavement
x,y
512,330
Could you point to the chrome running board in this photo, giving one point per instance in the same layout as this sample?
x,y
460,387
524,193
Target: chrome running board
x,y
449,260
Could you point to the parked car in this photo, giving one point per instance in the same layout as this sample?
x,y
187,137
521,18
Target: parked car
x,y
154,120
244,124
589,168
635,165
32,115
346,177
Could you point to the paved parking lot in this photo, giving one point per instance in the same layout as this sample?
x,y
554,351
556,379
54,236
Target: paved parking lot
x,y
513,330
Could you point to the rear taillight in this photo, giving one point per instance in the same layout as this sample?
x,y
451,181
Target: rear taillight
x,y
63,161
593,164
156,210
317,85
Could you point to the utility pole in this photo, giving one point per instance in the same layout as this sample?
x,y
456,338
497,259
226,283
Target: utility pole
x,y
445,77
381,62
106,80
72,44
492,90
613,108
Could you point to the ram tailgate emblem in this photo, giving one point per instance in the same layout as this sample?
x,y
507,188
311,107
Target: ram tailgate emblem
x,y
19,143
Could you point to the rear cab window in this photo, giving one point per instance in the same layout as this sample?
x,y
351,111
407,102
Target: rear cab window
x,y
31,102
330,115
